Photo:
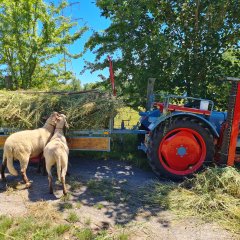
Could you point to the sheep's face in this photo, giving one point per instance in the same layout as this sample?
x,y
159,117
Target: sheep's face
x,y
62,122
52,120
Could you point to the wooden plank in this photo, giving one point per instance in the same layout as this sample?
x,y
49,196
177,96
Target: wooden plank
x,y
80,143
89,143
2,140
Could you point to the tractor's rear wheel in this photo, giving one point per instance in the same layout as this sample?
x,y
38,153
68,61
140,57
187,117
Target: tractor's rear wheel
x,y
180,148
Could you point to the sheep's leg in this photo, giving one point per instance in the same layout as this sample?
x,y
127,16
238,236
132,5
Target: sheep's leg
x,y
24,165
44,167
68,172
50,178
63,174
3,167
50,183
64,185
39,166
25,178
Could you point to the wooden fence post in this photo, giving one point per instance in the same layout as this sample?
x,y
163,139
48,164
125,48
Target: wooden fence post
x,y
150,89
8,82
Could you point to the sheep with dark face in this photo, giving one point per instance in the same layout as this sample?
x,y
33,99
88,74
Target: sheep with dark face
x,y
56,152
26,144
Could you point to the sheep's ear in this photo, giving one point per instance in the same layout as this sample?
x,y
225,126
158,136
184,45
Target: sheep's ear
x,y
66,124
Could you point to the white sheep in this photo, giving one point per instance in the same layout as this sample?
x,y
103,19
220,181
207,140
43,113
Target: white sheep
x,y
26,144
56,152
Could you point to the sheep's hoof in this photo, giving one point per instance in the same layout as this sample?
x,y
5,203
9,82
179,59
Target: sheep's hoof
x,y
4,179
28,185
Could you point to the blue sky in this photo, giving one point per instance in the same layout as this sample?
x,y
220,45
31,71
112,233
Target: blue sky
x,y
86,12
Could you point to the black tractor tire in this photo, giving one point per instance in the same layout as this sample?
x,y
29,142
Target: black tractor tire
x,y
158,135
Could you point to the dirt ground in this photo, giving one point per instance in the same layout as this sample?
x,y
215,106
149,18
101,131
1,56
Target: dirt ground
x,y
141,221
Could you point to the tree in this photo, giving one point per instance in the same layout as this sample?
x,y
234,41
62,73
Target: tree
x,y
32,33
180,43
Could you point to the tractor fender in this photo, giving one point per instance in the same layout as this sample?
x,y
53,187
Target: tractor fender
x,y
163,118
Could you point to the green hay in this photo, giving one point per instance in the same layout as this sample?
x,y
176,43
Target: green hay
x,y
83,111
214,195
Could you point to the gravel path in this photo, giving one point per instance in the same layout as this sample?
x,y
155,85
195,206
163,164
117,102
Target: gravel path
x,y
120,180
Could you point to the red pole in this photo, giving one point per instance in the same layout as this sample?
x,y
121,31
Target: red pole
x,y
235,129
112,75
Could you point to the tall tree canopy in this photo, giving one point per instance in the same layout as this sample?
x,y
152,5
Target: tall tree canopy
x,y
32,33
186,45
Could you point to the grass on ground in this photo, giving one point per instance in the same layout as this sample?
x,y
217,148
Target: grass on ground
x,y
213,195
43,222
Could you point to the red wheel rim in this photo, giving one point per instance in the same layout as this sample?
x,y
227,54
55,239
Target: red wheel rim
x,y
182,151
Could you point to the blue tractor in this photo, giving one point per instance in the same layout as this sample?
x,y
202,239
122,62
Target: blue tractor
x,y
184,134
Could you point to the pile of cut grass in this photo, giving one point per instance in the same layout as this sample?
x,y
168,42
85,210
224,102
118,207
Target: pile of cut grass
x,y
214,195
84,111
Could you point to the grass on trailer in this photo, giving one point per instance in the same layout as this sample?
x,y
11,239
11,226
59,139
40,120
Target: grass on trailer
x,y
83,111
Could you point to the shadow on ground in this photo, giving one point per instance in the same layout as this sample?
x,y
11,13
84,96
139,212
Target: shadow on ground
x,y
109,184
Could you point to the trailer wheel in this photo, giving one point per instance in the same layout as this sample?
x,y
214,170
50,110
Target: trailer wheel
x,y
179,149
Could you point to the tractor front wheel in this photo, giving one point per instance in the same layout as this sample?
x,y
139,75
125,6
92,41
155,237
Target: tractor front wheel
x,y
180,148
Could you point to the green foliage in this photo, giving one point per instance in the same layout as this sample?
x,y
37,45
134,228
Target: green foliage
x,y
61,229
72,217
99,206
74,183
5,223
87,221
32,34
37,228
30,227
90,86
183,44
85,234
123,236
67,205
